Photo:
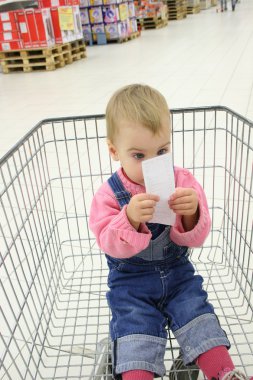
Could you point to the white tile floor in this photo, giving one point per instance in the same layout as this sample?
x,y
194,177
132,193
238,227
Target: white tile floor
x,y
205,59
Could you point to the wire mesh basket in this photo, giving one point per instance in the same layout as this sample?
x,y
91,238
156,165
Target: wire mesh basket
x,y
54,317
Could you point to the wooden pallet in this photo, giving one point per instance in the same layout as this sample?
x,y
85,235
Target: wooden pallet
x,y
176,15
177,9
193,10
128,38
152,22
45,59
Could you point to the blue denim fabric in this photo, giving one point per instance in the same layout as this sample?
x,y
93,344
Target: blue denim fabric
x,y
154,289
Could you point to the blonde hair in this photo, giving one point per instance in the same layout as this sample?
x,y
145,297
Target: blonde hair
x,y
136,103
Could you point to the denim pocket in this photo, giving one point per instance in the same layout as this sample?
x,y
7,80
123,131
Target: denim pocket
x,y
174,253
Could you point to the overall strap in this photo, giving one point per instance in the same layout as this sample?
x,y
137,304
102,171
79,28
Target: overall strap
x,y
121,194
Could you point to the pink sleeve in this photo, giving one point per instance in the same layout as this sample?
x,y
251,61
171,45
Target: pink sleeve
x,y
111,227
197,236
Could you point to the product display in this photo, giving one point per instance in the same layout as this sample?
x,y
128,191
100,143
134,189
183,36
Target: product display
x,y
43,27
43,38
151,15
112,20
36,27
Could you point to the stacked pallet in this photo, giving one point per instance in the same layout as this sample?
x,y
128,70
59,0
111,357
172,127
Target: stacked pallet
x,y
205,4
49,58
177,9
193,6
152,23
152,15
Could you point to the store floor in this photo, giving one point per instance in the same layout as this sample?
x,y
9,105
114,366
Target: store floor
x,y
205,59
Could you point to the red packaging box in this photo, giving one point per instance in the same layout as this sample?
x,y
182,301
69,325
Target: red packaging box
x,y
8,16
9,36
51,3
57,3
36,27
66,31
11,45
61,36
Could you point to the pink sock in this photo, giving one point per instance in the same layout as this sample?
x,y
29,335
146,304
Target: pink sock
x,y
214,361
137,374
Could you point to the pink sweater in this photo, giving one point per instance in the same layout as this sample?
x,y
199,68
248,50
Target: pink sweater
x,y
118,238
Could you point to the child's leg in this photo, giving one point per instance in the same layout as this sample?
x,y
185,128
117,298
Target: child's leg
x,y
137,375
215,361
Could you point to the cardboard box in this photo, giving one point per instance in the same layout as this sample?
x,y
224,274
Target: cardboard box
x,y
84,14
131,9
11,45
36,28
123,29
123,11
110,14
77,22
9,36
97,29
64,30
8,22
57,3
87,32
133,25
67,23
112,31
96,15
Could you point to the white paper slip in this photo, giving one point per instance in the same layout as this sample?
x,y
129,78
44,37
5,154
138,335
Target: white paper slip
x,y
159,180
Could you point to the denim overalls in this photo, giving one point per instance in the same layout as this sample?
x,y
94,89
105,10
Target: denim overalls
x,y
152,290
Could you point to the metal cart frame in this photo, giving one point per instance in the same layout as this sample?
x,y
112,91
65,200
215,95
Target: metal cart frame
x,y
53,278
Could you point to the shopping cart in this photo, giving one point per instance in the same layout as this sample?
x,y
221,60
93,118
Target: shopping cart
x,y
54,316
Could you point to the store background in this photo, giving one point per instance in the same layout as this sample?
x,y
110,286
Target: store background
x,y
205,59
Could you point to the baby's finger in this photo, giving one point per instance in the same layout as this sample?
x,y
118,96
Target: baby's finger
x,y
147,204
182,206
181,192
148,211
180,200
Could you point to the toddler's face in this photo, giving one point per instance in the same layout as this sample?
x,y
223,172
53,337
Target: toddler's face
x,y
134,143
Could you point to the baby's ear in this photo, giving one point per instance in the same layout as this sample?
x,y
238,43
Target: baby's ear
x,y
112,150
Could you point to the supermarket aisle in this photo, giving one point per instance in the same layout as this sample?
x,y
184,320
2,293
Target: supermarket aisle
x,y
205,59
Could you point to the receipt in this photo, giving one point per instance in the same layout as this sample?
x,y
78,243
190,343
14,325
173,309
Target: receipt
x,y
159,180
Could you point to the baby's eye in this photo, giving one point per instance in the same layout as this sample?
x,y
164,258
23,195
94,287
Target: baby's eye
x,y
162,151
138,156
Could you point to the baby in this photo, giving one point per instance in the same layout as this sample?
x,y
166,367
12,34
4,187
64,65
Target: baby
x,y
152,282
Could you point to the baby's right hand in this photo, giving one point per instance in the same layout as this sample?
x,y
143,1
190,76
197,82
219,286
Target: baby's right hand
x,y
141,208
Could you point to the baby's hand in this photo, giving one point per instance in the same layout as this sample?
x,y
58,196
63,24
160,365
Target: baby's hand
x,y
141,208
184,201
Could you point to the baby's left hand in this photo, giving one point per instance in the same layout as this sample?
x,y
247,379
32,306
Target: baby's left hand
x,y
184,201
